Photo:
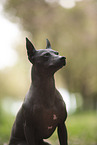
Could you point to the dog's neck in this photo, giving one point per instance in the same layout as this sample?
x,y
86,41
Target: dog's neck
x,y
44,84
42,79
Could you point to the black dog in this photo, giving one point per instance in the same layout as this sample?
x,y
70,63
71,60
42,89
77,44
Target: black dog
x,y
43,109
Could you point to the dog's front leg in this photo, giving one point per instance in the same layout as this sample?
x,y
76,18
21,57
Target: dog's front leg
x,y
62,134
29,135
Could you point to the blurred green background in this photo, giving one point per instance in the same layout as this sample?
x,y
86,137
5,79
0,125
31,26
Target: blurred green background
x,y
71,27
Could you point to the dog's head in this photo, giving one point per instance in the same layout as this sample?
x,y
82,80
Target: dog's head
x,y
45,59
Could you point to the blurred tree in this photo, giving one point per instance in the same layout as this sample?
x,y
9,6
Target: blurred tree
x,y
72,31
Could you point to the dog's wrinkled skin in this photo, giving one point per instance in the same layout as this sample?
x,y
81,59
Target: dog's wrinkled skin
x,y
43,109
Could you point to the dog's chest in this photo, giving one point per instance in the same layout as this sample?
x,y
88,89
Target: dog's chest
x,y
47,116
46,120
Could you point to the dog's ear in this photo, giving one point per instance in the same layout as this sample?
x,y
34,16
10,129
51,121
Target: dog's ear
x,y
30,50
48,45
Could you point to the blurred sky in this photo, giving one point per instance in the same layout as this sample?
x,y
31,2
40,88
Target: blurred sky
x,y
64,3
8,35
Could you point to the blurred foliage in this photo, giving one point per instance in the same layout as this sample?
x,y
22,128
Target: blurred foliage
x,y
13,81
73,32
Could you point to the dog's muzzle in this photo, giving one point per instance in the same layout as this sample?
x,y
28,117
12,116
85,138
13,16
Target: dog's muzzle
x,y
63,60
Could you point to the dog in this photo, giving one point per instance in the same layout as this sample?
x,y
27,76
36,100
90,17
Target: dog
x,y
43,108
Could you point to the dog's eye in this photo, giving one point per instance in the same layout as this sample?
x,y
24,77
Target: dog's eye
x,y
57,53
46,54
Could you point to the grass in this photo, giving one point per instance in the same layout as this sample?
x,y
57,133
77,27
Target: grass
x,y
6,121
82,129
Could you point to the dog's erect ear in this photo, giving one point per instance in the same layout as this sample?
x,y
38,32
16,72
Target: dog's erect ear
x,y
48,45
30,50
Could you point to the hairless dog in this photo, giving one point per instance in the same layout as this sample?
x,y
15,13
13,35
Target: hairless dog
x,y
43,108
